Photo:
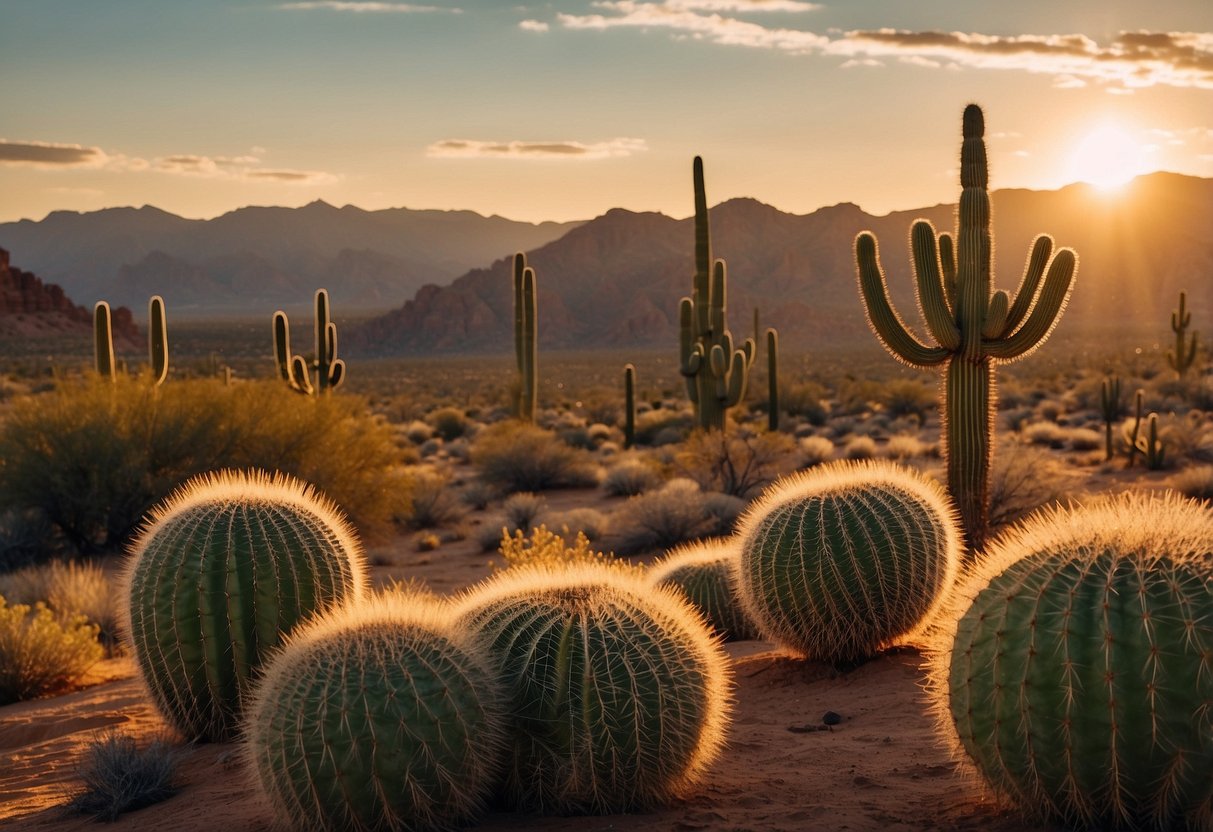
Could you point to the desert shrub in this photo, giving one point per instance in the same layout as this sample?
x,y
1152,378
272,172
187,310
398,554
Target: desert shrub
x,y
859,447
477,494
1020,483
522,510
70,589
722,511
629,477
806,400
95,455
600,433
904,446
909,398
490,533
857,396
1048,434
418,432
1194,482
1186,437
588,521
39,653
24,533
1084,439
121,777
735,462
448,422
551,550
519,457
663,426
432,502
814,450
662,519
430,447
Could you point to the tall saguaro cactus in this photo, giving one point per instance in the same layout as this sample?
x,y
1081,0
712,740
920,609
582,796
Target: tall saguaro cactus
x,y
157,339
772,379
629,405
526,338
295,369
1184,355
715,371
103,341
973,326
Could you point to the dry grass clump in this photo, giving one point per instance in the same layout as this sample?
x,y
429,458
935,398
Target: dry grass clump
x,y
432,502
905,397
676,513
519,457
588,521
663,426
1048,434
449,423
1194,482
522,510
1022,480
40,653
121,777
859,447
806,400
815,450
903,447
630,476
1084,439
70,589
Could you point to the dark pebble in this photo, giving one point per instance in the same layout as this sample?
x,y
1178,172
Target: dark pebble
x,y
831,718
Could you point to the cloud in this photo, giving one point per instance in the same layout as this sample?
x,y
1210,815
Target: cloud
x,y
469,149
50,155
245,168
359,7
1129,61
533,26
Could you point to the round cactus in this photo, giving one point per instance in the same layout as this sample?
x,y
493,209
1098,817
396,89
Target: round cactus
x,y
842,560
1076,668
378,715
223,569
706,572
618,694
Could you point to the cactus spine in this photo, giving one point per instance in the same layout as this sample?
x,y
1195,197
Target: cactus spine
x,y
715,372
840,561
973,327
526,338
618,694
1110,407
295,369
157,339
103,341
629,406
772,380
223,569
1076,669
706,572
1184,355
377,715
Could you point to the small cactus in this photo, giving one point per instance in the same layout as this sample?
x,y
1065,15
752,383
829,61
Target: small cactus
x,y
218,575
526,338
1151,446
1075,667
618,693
1132,434
1110,407
706,572
629,405
157,339
103,341
840,561
377,715
1184,355
772,379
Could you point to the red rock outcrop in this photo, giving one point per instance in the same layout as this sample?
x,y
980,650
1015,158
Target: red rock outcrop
x,y
29,307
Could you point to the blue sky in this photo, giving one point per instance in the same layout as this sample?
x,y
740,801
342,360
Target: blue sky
x,y
563,110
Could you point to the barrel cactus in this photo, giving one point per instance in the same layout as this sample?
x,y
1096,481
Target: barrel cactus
x,y
840,561
1076,668
617,692
378,715
222,570
706,572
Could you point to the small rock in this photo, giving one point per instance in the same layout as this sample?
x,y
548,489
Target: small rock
x,y
831,718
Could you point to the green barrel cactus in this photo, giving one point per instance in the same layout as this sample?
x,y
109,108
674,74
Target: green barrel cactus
x,y
706,572
379,715
973,327
618,694
224,568
1075,669
842,560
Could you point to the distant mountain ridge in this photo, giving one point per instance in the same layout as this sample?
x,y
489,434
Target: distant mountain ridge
x,y
263,256
615,281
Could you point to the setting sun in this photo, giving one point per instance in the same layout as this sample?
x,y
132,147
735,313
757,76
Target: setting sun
x,y
1107,158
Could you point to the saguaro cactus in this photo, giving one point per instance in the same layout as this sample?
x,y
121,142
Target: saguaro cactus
x,y
1110,407
772,379
629,405
294,369
103,341
1184,355
716,373
974,327
157,339
526,338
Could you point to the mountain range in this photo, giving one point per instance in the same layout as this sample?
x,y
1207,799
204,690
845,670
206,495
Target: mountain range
x,y
259,256
616,281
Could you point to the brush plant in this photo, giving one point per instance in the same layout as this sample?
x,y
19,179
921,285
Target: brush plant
x,y
618,694
378,715
1076,668
221,572
842,560
973,327
706,572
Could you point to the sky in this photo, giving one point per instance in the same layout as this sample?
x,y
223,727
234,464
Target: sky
x,y
563,110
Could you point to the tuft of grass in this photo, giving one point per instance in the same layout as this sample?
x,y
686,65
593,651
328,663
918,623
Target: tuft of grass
x,y
70,589
629,477
522,510
1194,482
431,501
121,777
903,446
860,447
663,519
449,422
519,457
41,654
815,450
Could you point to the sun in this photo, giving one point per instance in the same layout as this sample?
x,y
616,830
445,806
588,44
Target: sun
x,y
1107,157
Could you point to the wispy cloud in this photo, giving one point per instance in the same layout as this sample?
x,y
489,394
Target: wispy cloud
x,y
364,7
50,155
470,149
1130,61
533,26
